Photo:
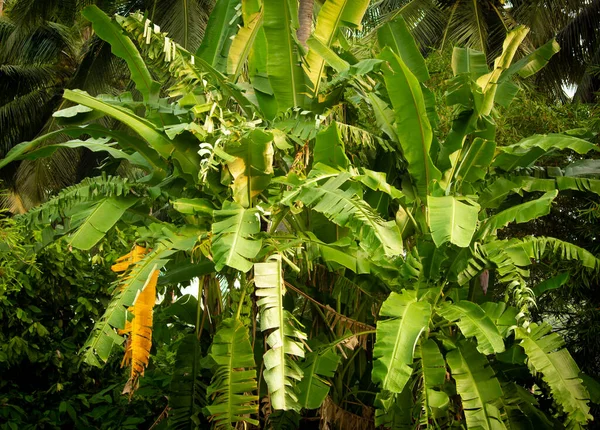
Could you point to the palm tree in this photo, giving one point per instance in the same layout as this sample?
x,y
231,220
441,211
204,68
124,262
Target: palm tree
x,y
46,46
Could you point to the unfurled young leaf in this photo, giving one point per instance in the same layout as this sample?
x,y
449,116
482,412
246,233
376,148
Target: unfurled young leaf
x,y
281,373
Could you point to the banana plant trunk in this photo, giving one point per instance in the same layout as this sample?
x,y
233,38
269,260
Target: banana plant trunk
x,y
305,16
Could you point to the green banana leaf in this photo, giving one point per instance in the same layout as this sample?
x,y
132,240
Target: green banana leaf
x,y
412,124
98,220
242,45
469,61
435,401
476,161
396,35
519,213
474,322
452,221
477,386
313,388
221,27
548,357
188,160
232,243
234,377
527,151
252,166
551,284
332,16
329,148
397,338
281,373
122,46
345,208
284,71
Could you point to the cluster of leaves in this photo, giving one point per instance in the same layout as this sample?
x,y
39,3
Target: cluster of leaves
x,y
331,276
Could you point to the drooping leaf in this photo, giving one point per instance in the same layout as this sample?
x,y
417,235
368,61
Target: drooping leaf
x,y
232,243
523,251
525,67
397,338
534,62
188,160
137,352
551,284
474,322
104,336
412,124
234,377
547,356
284,340
578,184
313,388
452,221
123,47
329,148
477,387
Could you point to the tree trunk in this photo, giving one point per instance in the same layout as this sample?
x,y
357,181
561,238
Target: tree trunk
x,y
305,17
1,7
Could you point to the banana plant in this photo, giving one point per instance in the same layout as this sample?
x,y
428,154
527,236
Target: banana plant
x,y
344,263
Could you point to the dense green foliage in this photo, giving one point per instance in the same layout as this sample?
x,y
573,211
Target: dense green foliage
x,y
350,256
